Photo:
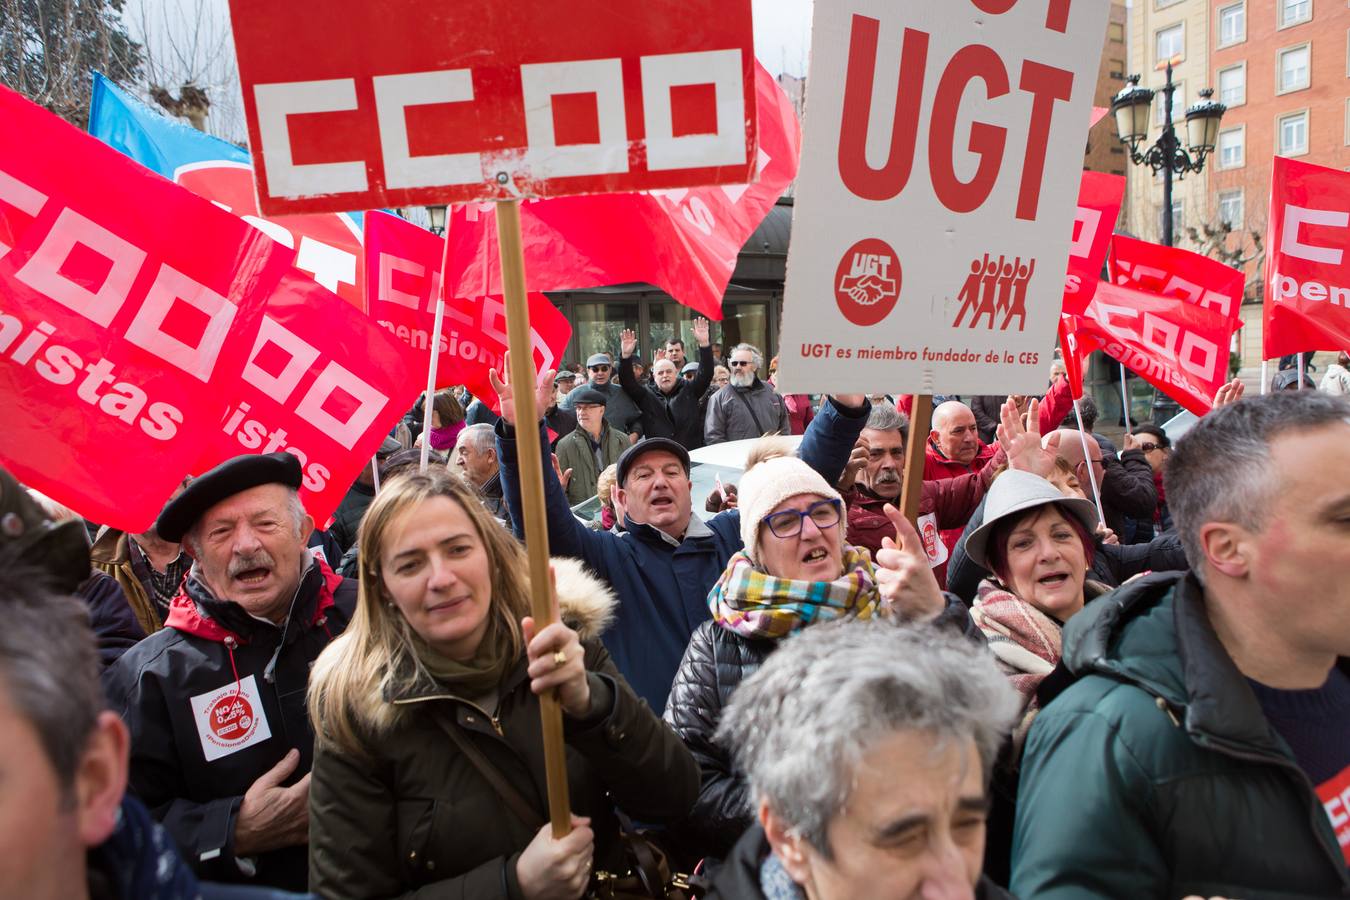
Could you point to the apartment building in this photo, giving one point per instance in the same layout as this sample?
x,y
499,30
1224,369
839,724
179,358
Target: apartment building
x,y
1161,30
1105,153
1283,69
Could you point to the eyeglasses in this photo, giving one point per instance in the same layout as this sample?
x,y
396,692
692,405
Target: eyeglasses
x,y
737,363
1149,448
598,368
788,523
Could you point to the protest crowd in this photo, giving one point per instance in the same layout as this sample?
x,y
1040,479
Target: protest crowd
x,y
303,628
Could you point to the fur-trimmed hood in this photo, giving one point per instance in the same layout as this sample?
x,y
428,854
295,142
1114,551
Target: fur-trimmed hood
x,y
586,602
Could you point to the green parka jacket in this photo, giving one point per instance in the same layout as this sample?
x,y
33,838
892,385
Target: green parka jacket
x,y
417,820
1155,774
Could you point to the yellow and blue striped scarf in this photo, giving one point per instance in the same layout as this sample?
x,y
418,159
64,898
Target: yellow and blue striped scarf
x,y
754,604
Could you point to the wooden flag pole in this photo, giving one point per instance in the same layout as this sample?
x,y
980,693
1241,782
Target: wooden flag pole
x,y
521,359
1125,400
920,423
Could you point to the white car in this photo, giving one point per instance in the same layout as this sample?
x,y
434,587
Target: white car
x,y
707,465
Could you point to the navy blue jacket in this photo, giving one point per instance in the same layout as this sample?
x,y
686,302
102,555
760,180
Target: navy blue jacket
x,y
662,590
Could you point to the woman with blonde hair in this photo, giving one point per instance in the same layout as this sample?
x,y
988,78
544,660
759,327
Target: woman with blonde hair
x,y
428,770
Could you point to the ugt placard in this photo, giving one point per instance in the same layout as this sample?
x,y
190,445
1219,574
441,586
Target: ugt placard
x,y
940,169
353,105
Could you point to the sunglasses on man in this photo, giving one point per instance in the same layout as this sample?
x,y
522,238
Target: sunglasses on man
x,y
598,368
737,363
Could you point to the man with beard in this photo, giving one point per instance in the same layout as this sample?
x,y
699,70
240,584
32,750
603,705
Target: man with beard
x,y
215,702
747,407
946,503
670,407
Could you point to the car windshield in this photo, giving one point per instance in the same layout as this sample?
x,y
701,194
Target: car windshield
x,y
704,477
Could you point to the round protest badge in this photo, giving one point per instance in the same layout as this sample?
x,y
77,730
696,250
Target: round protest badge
x,y
867,282
930,539
231,719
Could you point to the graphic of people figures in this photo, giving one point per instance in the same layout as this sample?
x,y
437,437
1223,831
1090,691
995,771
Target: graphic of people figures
x,y
1003,300
970,291
1018,306
988,291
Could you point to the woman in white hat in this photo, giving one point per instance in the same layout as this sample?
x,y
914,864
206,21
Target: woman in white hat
x,y
1038,543
795,571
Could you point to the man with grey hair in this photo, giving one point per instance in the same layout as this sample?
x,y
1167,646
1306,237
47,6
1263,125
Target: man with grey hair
x,y
747,407
475,458
215,702
945,504
670,405
1202,744
868,748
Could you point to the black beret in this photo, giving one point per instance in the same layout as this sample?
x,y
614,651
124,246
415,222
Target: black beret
x,y
646,445
589,395
231,477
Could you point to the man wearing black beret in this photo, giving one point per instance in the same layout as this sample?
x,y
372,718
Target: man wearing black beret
x,y
220,742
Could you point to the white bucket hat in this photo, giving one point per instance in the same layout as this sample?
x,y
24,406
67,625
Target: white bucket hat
x,y
1013,493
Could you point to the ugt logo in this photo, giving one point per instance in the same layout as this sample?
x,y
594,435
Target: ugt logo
x,y
994,289
867,282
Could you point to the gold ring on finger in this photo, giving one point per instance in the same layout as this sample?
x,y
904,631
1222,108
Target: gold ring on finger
x,y
559,659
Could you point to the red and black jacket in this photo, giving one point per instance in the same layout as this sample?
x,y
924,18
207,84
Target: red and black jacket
x,y
210,649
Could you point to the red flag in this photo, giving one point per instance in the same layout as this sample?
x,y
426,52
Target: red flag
x,y
1307,274
321,382
1075,349
1180,348
1173,272
121,299
1099,200
685,241
404,263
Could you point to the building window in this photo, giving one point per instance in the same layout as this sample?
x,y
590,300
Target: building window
x,y
1233,85
1232,24
1115,31
1169,42
1347,122
1292,12
1293,133
1178,103
1232,148
1116,68
1230,209
1292,70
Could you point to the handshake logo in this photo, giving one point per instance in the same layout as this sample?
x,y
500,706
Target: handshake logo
x,y
867,282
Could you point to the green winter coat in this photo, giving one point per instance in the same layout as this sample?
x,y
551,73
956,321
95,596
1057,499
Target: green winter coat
x,y
1155,774
575,453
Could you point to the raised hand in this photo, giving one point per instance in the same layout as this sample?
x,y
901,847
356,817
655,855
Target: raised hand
x,y
557,660
701,331
1022,441
502,385
627,342
1230,393
857,461
904,576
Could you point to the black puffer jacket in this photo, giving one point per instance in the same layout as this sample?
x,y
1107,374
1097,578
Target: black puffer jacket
x,y
714,665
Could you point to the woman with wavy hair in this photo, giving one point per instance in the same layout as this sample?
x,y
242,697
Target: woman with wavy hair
x,y
426,716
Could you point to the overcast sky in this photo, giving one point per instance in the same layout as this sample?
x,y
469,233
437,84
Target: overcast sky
x,y
190,39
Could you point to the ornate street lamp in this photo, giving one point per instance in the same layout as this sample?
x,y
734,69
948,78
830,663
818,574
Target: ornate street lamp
x,y
1132,108
437,215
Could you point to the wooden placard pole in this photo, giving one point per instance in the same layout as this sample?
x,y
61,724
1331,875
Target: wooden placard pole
x,y
920,423
521,361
